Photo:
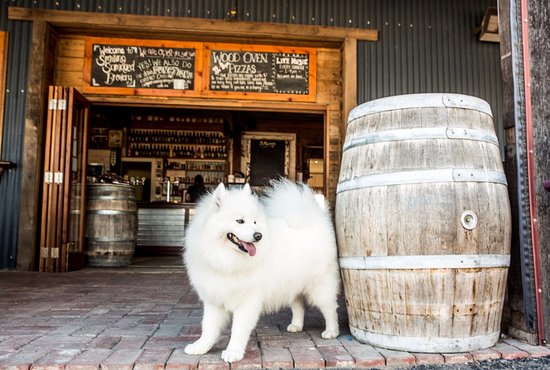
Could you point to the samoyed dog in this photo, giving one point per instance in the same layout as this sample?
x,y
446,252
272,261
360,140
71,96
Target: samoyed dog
x,y
246,256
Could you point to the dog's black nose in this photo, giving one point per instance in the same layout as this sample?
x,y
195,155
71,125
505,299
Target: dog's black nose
x,y
258,236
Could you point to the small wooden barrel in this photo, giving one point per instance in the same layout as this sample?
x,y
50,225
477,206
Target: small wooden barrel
x,y
423,224
111,224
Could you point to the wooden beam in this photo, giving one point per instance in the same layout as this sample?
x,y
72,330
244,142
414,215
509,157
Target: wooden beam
x,y
196,26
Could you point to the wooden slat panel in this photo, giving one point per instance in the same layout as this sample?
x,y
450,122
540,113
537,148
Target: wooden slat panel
x,y
71,47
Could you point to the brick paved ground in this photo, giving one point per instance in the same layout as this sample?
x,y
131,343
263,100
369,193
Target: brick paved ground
x,y
142,317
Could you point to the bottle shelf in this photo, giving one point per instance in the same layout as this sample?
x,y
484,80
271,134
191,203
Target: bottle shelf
x,y
176,144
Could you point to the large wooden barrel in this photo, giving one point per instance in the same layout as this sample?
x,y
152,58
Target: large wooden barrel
x,y
111,224
423,223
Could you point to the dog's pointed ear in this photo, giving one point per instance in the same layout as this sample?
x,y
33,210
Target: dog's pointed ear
x,y
219,194
246,188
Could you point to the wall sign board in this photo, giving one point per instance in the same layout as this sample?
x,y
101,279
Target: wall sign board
x,y
260,71
141,67
164,68
248,71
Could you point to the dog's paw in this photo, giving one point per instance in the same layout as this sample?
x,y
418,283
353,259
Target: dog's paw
x,y
196,348
328,334
232,355
292,328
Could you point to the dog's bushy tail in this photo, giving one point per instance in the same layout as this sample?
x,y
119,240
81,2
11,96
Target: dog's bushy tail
x,y
296,203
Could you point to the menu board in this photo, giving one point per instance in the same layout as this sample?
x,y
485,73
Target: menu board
x,y
259,71
150,67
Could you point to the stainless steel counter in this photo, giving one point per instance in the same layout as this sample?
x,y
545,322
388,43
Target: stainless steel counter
x,y
161,226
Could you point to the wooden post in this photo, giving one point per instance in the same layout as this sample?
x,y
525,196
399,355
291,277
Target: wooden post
x,y
32,146
349,77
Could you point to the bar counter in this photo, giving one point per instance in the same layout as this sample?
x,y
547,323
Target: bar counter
x,y
161,227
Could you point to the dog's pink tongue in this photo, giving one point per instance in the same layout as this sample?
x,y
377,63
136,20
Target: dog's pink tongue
x,y
250,248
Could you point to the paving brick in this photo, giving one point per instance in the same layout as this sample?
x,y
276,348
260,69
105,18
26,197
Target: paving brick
x,y
485,354
130,343
61,342
179,360
25,329
533,351
5,354
152,359
88,360
252,360
68,329
23,360
104,342
457,358
90,330
171,330
336,356
285,339
307,357
428,358
267,330
363,354
167,342
121,359
55,359
14,342
276,358
509,352
212,361
397,358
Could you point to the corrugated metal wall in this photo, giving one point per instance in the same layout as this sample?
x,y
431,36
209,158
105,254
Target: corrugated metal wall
x,y
424,46
429,46
14,118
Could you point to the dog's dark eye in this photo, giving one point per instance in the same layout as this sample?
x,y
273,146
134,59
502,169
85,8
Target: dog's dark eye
x,y
240,221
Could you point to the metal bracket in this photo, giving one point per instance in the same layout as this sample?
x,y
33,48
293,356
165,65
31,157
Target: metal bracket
x,y
58,178
48,177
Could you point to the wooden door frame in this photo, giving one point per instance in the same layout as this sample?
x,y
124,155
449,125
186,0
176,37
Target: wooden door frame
x,y
103,24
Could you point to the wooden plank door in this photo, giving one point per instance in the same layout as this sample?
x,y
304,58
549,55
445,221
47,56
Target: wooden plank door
x,y
64,185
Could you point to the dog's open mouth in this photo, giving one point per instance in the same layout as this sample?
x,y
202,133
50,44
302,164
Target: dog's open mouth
x,y
246,247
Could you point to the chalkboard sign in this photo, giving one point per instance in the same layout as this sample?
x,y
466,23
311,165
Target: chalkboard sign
x,y
142,66
259,71
267,161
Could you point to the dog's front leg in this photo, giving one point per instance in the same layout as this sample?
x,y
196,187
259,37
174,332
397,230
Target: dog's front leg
x,y
298,312
214,320
245,319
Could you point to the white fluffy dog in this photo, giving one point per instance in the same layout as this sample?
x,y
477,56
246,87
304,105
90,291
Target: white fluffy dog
x,y
246,257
